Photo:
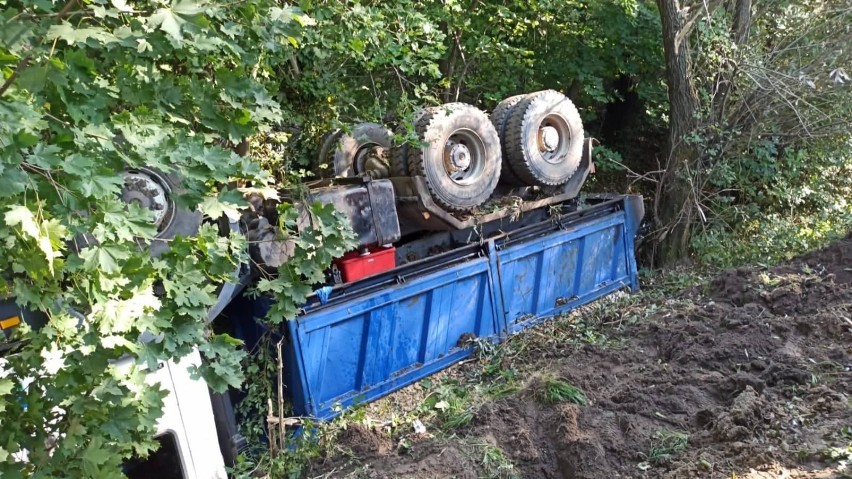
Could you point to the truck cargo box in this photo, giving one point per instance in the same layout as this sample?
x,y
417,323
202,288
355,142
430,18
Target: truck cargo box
x,y
375,336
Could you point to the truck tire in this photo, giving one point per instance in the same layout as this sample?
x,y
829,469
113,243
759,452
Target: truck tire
x,y
399,160
498,118
155,191
461,159
322,167
349,154
544,139
399,153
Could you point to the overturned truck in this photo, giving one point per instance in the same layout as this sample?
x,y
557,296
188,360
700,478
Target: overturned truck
x,y
471,228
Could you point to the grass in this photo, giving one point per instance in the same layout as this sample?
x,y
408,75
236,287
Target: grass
x,y
493,460
841,455
553,390
450,402
667,444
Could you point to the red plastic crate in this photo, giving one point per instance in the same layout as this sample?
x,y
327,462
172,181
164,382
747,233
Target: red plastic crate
x,y
354,265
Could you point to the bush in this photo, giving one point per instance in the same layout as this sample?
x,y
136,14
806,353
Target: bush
x,y
777,203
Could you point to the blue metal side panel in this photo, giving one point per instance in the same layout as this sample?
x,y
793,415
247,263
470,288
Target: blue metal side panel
x,y
565,269
359,351
376,343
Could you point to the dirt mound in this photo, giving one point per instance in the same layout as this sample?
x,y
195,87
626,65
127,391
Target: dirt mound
x,y
803,286
364,441
748,376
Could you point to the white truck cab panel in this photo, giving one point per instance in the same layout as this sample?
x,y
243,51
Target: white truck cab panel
x,y
189,448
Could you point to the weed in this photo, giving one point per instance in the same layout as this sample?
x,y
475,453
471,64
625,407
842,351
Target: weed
x,y
291,462
667,444
492,356
671,282
458,418
495,462
841,455
500,390
826,372
453,404
553,390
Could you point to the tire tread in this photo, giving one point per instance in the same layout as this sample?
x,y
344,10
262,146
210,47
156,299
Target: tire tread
x,y
516,154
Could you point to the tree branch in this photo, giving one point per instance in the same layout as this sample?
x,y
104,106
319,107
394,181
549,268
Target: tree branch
x,y
25,61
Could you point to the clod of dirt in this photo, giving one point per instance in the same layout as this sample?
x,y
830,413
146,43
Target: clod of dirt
x,y
364,441
742,417
522,444
781,373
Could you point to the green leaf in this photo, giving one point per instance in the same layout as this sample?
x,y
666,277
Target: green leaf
x,y
100,186
95,456
215,207
221,354
66,31
105,258
121,6
171,20
47,234
21,216
45,156
6,386
188,8
168,22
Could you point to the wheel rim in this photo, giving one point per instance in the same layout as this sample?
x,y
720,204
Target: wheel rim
x,y
364,154
149,191
464,157
553,139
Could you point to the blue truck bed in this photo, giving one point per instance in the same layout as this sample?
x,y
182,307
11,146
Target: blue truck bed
x,y
383,333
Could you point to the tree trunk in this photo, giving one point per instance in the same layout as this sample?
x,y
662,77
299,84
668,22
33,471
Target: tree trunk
x,y
447,66
742,21
724,79
675,201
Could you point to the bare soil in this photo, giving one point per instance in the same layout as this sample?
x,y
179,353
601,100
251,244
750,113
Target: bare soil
x,y
753,370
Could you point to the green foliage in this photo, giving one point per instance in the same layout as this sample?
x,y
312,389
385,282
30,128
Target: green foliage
x,y
842,454
289,463
261,372
775,203
771,174
369,61
576,46
607,159
327,237
494,462
452,403
88,89
362,61
554,391
666,444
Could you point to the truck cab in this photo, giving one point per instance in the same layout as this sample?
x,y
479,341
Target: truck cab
x,y
186,432
189,447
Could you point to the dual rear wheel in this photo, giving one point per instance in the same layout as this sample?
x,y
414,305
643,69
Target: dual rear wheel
x,y
529,140
542,138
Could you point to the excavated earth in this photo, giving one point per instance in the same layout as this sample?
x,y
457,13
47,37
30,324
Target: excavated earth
x,y
753,369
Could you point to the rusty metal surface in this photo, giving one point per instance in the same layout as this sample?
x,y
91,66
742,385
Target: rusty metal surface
x,y
418,212
370,206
